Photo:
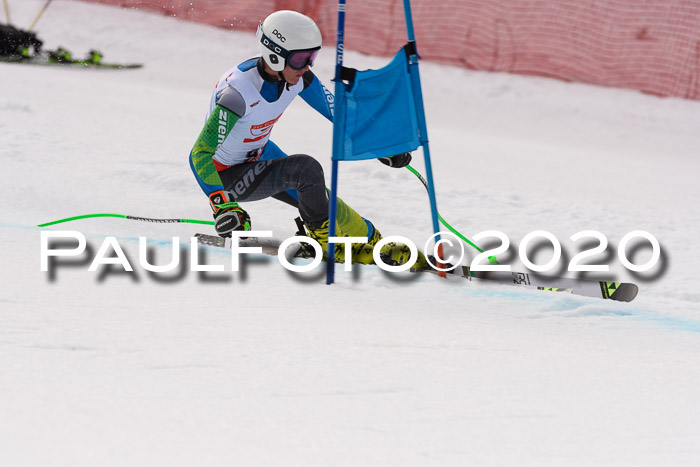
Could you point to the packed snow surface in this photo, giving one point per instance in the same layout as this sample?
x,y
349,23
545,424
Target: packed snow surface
x,y
268,367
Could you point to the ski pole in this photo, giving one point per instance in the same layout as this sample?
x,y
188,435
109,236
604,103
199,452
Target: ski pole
x,y
7,12
41,12
492,259
133,218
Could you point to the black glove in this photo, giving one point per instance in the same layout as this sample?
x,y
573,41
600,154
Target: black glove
x,y
228,215
397,161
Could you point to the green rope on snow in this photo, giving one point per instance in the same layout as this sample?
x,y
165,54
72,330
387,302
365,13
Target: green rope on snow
x,y
492,259
125,216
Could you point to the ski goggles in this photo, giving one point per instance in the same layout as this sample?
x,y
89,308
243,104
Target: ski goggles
x,y
300,59
296,59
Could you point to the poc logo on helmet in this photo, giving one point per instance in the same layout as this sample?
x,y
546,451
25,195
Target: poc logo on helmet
x,y
279,35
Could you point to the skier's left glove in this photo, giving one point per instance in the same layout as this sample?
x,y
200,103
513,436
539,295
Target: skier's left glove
x,y
228,215
397,161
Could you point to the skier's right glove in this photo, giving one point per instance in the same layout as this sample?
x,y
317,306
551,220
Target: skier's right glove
x,y
228,215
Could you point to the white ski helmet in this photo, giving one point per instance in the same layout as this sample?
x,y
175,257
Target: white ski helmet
x,y
289,38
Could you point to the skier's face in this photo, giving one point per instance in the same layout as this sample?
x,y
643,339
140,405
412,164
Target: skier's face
x,y
293,76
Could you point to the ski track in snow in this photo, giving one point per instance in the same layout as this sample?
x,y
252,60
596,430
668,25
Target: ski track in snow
x,y
266,367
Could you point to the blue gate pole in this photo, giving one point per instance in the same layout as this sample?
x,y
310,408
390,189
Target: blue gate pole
x,y
338,137
422,126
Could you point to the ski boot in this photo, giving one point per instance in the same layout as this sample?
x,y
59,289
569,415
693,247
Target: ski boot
x,y
392,253
360,252
396,254
351,224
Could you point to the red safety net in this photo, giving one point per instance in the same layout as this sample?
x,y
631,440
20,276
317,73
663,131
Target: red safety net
x,y
649,45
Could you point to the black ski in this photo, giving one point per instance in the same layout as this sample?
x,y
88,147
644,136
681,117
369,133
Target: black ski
x,y
46,61
619,291
65,61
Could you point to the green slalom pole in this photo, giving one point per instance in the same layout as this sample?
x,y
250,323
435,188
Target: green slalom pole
x,y
492,259
126,216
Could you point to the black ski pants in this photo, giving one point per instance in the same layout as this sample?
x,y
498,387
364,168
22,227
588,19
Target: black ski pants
x,y
253,181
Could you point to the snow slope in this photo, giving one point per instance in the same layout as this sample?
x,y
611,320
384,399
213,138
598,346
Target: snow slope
x,y
272,368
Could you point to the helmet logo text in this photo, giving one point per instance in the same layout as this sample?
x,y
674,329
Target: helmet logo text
x,y
279,35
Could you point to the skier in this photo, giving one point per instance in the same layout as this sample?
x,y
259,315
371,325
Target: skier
x,y
234,160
